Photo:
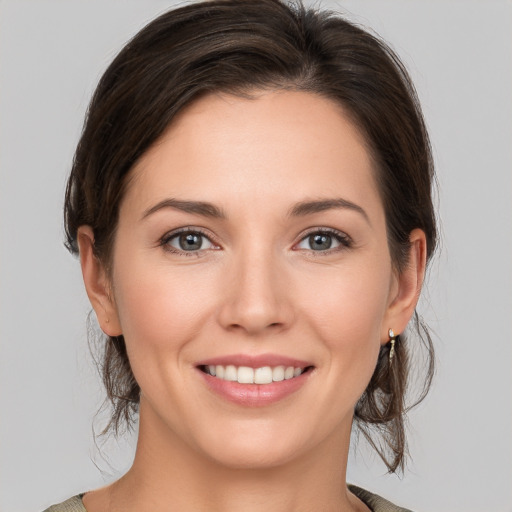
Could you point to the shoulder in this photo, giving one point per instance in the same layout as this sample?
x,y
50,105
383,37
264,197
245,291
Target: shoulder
x,y
374,502
74,504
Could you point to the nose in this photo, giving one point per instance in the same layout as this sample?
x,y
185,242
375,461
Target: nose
x,y
255,296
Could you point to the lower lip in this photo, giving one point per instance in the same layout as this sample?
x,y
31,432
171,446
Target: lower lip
x,y
254,395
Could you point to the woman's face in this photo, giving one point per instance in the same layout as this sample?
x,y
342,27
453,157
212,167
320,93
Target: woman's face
x,y
252,245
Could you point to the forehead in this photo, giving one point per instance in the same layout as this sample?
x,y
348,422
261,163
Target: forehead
x,y
283,144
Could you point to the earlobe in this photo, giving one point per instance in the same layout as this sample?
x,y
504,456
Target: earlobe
x,y
97,283
408,289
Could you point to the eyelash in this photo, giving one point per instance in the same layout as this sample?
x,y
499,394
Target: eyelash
x,y
342,238
164,241
345,242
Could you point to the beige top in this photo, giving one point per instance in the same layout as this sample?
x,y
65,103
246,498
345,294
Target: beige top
x,y
374,502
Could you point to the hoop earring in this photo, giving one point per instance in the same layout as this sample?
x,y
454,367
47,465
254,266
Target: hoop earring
x,y
392,340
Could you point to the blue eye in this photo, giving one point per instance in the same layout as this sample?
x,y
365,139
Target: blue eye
x,y
322,241
187,241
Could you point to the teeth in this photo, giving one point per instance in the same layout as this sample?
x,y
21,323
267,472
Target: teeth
x,y
278,374
230,373
288,373
247,375
263,375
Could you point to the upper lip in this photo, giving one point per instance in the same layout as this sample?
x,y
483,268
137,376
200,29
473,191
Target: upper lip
x,y
255,361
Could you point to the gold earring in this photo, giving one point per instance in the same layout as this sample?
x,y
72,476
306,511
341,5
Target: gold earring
x,y
392,339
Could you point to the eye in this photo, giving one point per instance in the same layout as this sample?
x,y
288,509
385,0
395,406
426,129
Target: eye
x,y
187,241
323,241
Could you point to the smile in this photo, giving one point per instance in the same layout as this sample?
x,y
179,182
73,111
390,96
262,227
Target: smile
x,y
248,375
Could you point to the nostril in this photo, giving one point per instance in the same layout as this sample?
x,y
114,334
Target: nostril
x,y
254,314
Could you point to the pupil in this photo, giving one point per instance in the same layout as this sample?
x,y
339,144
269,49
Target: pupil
x,y
190,242
320,242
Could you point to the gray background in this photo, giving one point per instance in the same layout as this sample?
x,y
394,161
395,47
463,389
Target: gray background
x,y
460,55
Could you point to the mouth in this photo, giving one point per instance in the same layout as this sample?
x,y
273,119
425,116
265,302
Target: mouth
x,y
247,375
255,380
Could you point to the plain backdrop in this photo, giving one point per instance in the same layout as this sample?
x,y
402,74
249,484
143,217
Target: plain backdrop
x,y
460,56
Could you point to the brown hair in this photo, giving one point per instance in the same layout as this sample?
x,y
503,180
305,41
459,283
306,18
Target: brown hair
x,y
236,47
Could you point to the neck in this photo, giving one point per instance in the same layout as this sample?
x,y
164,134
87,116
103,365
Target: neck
x,y
168,474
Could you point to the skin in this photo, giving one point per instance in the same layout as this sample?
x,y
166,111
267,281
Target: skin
x,y
256,287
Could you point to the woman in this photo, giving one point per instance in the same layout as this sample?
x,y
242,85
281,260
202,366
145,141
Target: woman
x,y
251,203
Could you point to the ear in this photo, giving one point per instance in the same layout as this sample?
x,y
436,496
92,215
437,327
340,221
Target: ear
x,y
406,288
97,284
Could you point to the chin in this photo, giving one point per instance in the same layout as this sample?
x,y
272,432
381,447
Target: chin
x,y
259,446
247,456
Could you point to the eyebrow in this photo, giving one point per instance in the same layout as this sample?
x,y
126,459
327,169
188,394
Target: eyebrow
x,y
196,207
310,207
301,209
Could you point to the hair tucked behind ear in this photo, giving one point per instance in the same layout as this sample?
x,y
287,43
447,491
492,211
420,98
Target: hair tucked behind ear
x,y
122,388
237,47
382,407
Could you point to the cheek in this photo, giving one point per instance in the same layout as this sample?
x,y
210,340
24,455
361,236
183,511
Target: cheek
x,y
351,302
346,310
159,308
